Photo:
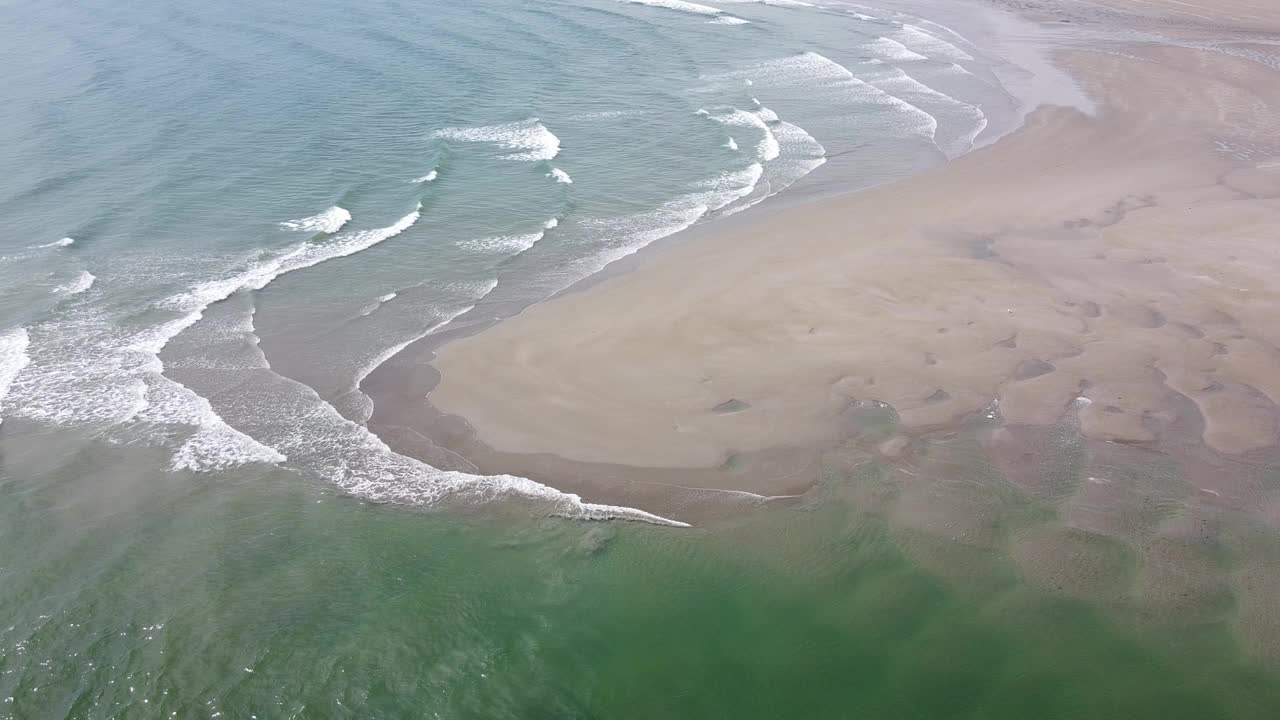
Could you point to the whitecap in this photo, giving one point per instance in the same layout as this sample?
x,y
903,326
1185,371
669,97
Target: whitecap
x,y
679,5
478,292
920,40
358,462
727,187
731,144
429,177
606,114
503,244
527,140
291,419
551,224
784,72
838,82
892,50
89,370
64,242
779,3
619,237
13,358
767,149
377,303
560,176
896,82
801,154
81,283
214,445
720,16
329,221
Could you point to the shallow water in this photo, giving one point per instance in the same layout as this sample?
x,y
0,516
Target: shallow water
x,y
219,218
939,587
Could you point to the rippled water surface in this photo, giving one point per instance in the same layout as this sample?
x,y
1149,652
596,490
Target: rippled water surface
x,y
220,217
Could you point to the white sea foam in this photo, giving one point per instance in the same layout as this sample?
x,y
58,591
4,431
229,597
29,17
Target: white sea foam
x,y
970,119
560,176
823,78
801,154
429,177
920,40
839,84
786,72
377,303
551,224
64,242
356,461
627,235
527,140
88,369
503,244
892,50
733,180
767,149
294,420
86,366
606,114
680,5
726,188
786,151
779,3
478,293
719,16
81,283
214,445
926,36
731,144
329,221
13,358
315,252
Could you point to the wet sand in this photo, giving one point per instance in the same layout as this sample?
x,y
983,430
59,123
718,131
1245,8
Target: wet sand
x,y
1115,270
1060,353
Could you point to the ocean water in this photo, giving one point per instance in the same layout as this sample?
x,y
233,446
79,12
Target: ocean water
x,y
221,217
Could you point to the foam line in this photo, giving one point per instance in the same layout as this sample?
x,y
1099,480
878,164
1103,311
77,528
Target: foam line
x,y
528,140
13,358
80,284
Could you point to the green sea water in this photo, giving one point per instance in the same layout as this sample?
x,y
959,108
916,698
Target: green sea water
x,y
880,595
219,218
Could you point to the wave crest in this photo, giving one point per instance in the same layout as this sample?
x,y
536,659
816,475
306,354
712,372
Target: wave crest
x,y
526,140
329,221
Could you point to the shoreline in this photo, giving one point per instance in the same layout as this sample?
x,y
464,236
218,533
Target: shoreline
x,y
705,412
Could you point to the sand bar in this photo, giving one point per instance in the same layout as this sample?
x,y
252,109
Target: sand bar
x,y
1095,265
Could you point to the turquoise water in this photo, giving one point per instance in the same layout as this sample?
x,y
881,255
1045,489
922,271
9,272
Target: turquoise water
x,y
220,217
130,593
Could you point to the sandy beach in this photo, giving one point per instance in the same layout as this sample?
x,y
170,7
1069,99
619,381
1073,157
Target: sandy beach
x,y
636,359
1115,270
